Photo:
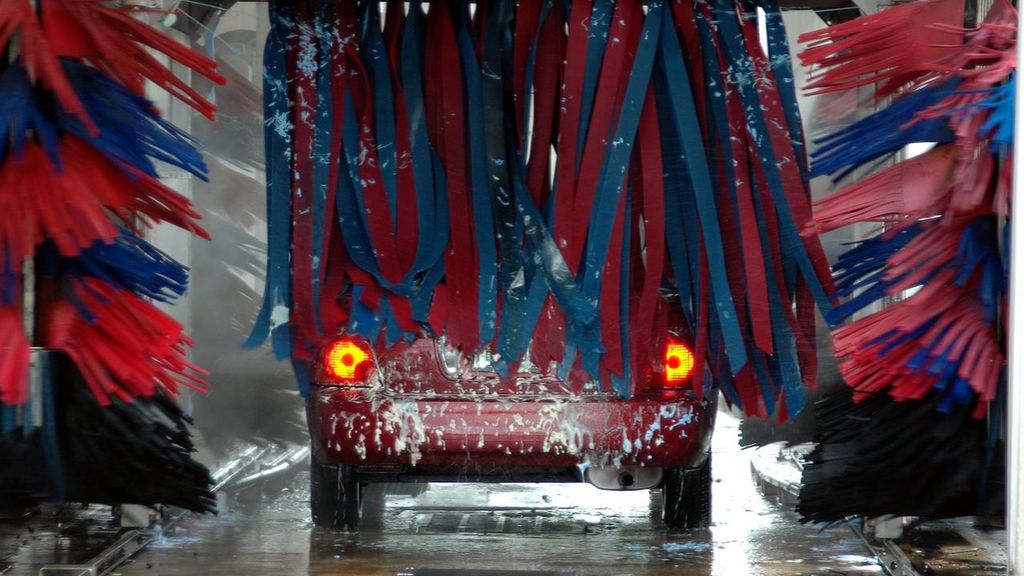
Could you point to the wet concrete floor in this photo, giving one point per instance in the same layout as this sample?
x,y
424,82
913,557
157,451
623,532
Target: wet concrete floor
x,y
521,530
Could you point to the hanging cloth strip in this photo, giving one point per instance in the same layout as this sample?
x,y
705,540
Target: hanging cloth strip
x,y
363,175
491,186
273,318
729,151
445,102
431,200
304,56
564,163
543,72
604,240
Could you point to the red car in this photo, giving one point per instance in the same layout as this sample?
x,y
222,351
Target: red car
x,y
420,412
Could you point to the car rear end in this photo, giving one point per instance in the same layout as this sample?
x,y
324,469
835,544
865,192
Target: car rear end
x,y
425,410
422,411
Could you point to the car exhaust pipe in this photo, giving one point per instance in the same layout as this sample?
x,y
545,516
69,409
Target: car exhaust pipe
x,y
623,477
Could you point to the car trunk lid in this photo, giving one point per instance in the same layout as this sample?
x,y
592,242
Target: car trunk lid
x,y
432,367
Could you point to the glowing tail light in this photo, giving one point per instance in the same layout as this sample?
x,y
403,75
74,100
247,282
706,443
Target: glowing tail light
x,y
679,363
348,361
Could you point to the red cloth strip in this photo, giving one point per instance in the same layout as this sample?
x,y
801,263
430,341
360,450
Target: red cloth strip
x,y
686,26
445,102
797,192
333,314
753,251
611,291
394,23
549,335
378,211
615,69
303,88
569,126
548,77
526,23
651,192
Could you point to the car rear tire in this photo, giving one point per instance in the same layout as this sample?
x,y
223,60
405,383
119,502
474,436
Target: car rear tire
x,y
686,497
335,496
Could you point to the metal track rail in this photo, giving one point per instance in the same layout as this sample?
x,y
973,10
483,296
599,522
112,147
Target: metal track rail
x,y
891,559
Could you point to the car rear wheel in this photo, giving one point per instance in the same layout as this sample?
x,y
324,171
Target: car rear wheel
x,y
334,495
686,497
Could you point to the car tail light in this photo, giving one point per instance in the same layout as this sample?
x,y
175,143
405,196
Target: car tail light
x,y
347,361
679,362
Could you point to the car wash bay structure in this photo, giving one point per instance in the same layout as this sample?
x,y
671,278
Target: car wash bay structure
x,y
843,153
533,272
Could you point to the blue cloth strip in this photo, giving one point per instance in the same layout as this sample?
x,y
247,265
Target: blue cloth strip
x,y
481,194
431,196
623,383
687,125
599,25
782,66
321,152
792,242
500,142
681,225
384,105
273,316
785,359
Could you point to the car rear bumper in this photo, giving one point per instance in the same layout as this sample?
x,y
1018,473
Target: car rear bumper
x,y
368,428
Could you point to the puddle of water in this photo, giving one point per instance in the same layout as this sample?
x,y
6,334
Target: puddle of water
x,y
547,528
684,548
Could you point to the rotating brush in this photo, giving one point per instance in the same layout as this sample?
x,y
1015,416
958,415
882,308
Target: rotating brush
x,y
94,417
920,331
